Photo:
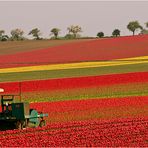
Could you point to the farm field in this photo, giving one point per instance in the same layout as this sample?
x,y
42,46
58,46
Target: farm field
x,y
121,91
74,74
116,85
118,62
89,109
68,73
93,98
92,50
9,47
124,54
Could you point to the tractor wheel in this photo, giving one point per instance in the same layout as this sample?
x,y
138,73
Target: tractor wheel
x,y
18,125
42,123
24,124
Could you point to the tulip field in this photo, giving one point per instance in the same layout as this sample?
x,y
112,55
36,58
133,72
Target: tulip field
x,y
114,133
91,50
95,92
83,58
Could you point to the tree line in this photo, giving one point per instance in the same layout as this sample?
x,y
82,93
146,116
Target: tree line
x,y
132,26
73,32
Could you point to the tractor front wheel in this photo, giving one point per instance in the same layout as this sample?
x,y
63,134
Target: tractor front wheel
x,y
21,124
18,125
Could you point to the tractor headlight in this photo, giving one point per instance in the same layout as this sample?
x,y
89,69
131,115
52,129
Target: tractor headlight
x,y
1,90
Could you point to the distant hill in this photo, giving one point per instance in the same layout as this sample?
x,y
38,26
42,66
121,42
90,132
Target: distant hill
x,y
88,50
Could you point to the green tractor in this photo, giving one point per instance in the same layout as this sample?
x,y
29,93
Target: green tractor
x,y
19,114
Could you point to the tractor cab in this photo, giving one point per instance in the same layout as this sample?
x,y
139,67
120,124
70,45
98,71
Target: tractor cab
x,y
6,103
14,109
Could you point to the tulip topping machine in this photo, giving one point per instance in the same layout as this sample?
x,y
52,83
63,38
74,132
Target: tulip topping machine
x,y
19,114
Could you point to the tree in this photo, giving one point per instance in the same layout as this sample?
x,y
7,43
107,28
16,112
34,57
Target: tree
x,y
144,31
116,32
74,30
3,37
17,34
146,24
69,36
2,32
134,26
55,32
35,33
100,34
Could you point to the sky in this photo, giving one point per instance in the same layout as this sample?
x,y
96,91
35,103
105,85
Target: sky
x,y
92,16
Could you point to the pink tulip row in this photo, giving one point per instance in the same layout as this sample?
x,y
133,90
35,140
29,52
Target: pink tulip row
x,y
122,132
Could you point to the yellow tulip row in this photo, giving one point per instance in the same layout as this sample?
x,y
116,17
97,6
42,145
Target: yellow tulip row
x,y
117,62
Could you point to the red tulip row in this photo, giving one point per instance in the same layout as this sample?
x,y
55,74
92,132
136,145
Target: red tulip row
x,y
70,83
115,133
95,104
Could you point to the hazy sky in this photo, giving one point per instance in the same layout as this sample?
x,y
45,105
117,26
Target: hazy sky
x,y
92,16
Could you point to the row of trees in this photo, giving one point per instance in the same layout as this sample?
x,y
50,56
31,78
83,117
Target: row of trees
x,y
115,33
132,26
73,32
17,34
